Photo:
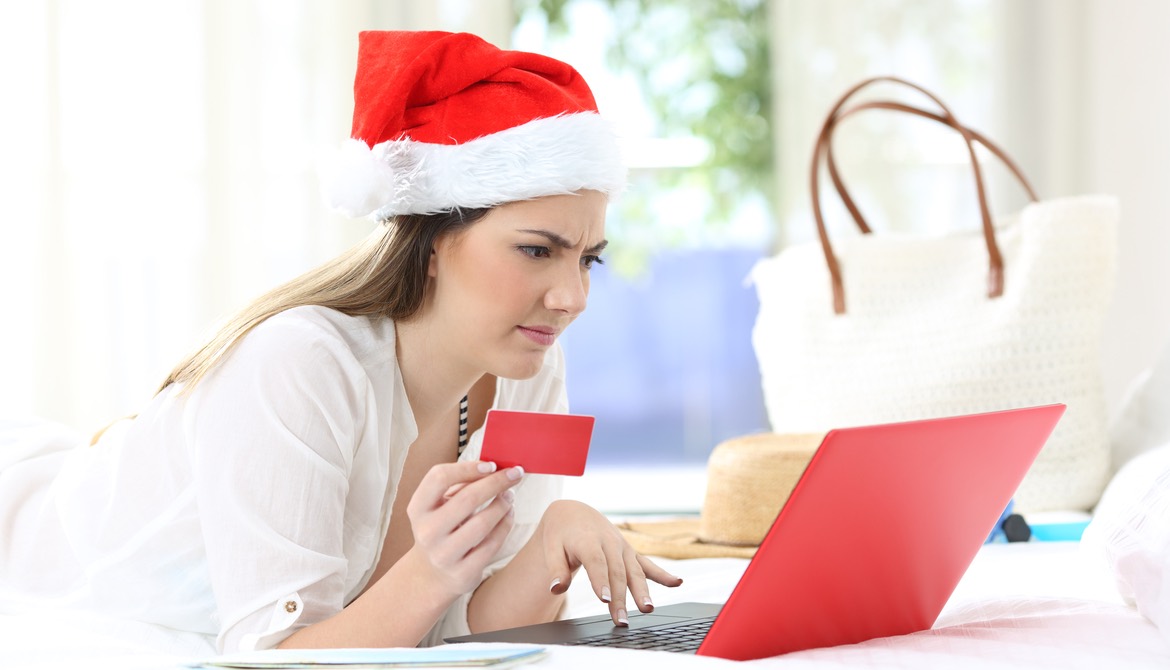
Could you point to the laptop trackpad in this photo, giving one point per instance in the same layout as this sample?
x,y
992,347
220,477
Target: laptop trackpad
x,y
589,626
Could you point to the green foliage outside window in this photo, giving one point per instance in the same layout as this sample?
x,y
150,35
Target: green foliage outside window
x,y
703,68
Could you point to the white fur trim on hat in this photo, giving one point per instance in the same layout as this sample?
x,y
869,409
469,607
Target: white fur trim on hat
x,y
549,156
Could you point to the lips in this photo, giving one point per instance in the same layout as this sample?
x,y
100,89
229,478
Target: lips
x,y
542,335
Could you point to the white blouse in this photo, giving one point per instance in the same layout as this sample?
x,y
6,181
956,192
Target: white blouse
x,y
250,507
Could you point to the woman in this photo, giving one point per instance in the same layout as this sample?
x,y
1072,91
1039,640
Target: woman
x,y
306,478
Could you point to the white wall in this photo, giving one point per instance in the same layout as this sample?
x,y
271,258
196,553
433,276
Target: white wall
x,y
1127,139
1092,78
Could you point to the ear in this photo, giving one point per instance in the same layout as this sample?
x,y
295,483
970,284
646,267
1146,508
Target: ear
x,y
439,246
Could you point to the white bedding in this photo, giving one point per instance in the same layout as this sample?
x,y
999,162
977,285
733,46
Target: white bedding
x,y
1035,605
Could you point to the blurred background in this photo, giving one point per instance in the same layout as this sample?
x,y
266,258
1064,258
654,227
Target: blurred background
x,y
158,170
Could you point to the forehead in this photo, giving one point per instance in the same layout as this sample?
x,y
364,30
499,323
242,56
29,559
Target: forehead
x,y
576,216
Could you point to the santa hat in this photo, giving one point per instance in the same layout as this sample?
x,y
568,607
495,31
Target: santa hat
x,y
446,120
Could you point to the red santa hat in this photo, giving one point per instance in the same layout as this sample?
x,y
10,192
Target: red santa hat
x,y
446,120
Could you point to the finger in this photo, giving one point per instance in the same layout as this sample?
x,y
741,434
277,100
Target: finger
x,y
449,493
636,580
464,502
475,530
616,568
654,572
466,495
494,539
451,548
597,570
558,565
468,566
440,478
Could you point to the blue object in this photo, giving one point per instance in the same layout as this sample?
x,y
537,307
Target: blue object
x,y
1059,532
997,534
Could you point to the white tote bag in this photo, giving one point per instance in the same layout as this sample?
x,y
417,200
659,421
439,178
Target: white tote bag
x,y
874,328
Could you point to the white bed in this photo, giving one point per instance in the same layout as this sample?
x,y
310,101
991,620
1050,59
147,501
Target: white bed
x,y
1036,605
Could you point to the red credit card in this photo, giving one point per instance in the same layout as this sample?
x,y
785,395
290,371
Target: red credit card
x,y
540,442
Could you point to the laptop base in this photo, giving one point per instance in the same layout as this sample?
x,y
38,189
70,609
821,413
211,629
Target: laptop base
x,y
600,630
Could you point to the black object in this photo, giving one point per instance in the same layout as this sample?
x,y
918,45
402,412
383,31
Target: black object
x,y
1015,529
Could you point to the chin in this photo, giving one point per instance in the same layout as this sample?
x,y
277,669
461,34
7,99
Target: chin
x,y
521,367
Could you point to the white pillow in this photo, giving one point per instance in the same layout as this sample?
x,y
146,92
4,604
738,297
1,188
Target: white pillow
x,y
1144,419
1131,530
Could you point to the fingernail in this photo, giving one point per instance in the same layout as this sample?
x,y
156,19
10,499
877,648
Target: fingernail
x,y
622,618
647,602
605,595
515,473
555,584
507,495
486,467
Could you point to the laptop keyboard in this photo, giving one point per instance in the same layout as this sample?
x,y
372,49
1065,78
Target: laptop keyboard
x,y
684,637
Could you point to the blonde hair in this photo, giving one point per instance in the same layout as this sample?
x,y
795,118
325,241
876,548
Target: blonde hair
x,y
384,275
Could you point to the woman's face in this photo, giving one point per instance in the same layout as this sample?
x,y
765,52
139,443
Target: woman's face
x,y
507,286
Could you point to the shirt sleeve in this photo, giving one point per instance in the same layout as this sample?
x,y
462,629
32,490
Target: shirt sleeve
x,y
543,393
272,434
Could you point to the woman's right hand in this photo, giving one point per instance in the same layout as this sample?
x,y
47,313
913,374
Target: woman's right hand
x,y
452,535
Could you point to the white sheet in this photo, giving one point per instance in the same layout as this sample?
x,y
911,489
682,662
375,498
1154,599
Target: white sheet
x,y
1036,605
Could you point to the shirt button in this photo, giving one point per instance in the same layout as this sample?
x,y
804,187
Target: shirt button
x,y
290,606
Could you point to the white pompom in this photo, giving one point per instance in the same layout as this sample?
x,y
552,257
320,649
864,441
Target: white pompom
x,y
356,182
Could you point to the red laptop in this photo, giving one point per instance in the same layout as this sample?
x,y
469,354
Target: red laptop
x,y
872,542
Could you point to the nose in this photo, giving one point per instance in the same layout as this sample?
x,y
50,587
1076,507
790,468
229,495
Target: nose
x,y
569,291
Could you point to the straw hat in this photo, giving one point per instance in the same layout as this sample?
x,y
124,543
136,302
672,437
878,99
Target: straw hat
x,y
748,480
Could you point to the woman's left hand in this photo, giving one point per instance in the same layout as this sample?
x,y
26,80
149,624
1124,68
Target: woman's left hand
x,y
575,535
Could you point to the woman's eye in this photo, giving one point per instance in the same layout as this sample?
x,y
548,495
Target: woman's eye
x,y
535,251
588,261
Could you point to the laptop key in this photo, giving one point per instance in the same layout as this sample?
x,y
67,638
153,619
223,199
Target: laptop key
x,y
684,637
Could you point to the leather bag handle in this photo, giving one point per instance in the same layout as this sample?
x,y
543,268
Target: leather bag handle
x,y
979,138
823,149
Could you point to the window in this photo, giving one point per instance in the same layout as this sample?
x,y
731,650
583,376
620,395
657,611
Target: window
x,y
161,178
663,355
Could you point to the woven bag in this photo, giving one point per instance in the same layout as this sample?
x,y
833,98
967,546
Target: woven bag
x,y
874,328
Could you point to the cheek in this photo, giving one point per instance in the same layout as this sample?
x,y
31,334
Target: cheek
x,y
501,276
498,282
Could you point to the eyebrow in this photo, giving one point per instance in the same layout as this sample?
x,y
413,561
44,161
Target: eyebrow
x,y
562,242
